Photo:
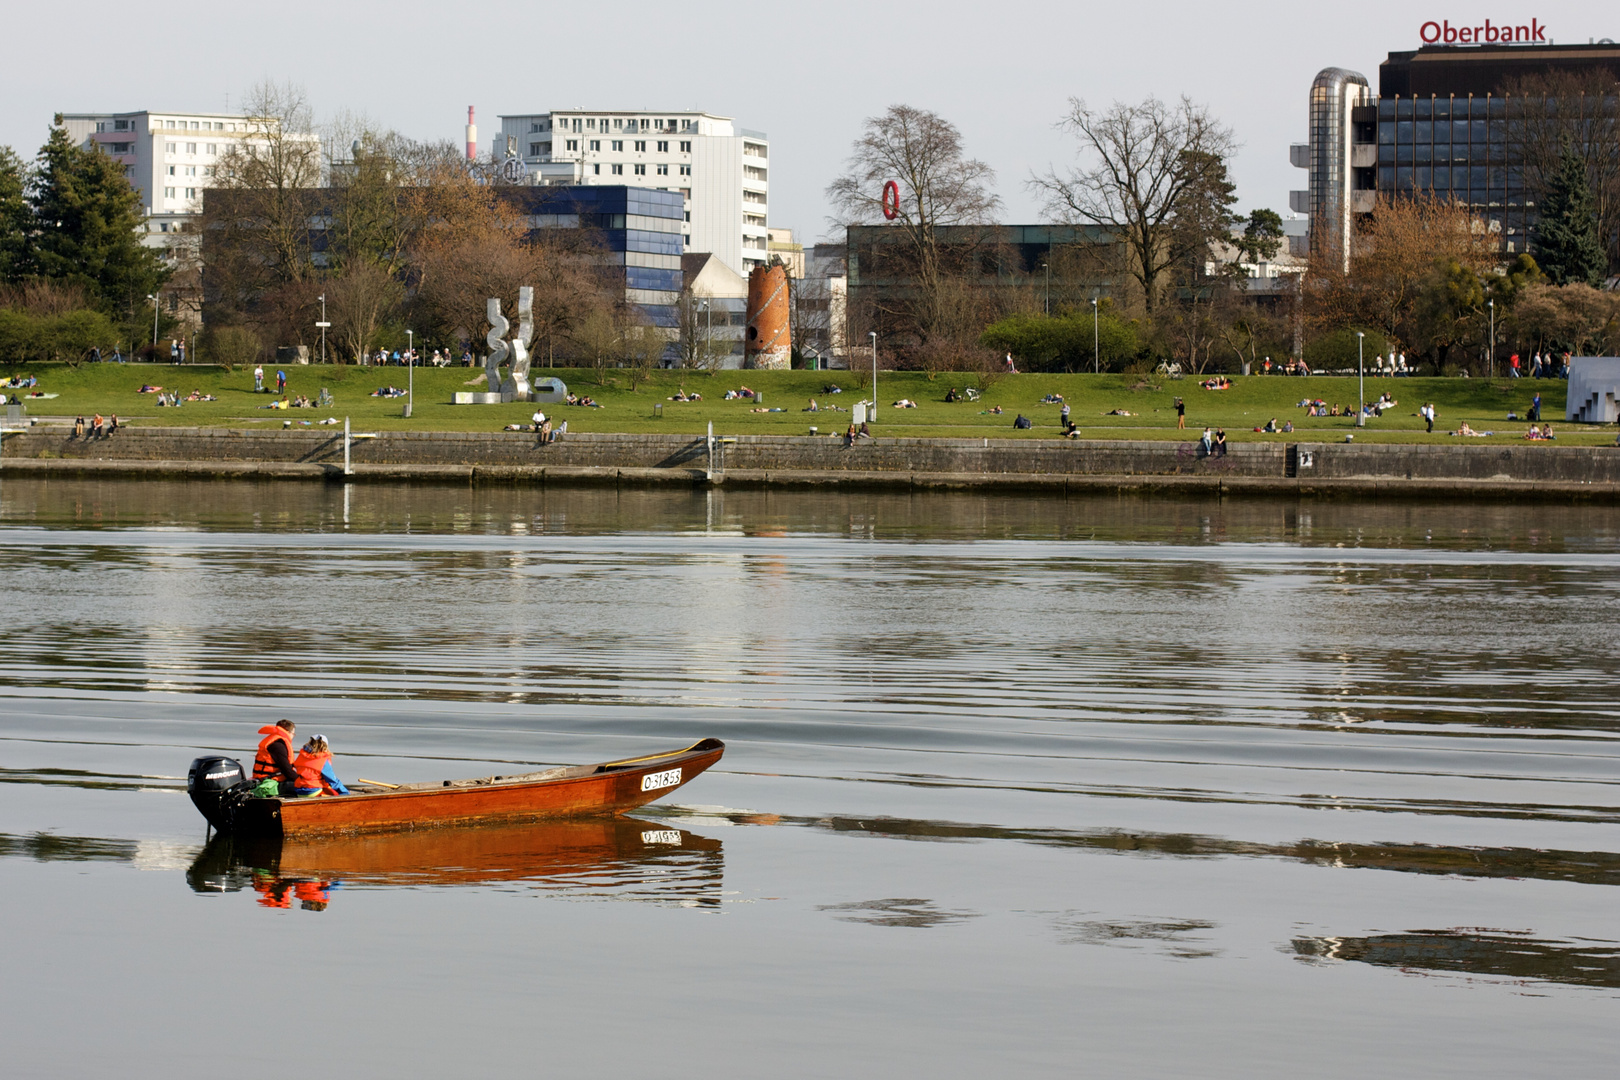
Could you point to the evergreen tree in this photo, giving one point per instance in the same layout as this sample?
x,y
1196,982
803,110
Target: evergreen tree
x,y
16,220
87,217
1567,246
1202,213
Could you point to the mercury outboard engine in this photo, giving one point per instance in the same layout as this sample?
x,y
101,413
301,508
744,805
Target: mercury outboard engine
x,y
212,784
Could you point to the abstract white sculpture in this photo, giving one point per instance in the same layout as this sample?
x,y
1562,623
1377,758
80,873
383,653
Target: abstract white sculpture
x,y
517,381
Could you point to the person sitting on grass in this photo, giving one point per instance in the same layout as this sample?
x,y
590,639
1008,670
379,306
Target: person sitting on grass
x,y
1271,426
1023,423
812,407
1070,431
951,395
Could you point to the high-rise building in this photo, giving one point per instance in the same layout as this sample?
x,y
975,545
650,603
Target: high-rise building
x,y
171,158
721,171
1450,121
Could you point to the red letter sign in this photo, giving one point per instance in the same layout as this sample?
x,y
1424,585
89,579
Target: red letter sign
x,y
891,200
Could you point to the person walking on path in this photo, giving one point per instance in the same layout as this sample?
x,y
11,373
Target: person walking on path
x,y
1181,414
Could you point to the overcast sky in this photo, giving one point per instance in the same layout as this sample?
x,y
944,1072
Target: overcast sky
x,y
807,74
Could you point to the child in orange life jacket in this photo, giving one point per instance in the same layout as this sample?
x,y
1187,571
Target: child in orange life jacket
x,y
314,768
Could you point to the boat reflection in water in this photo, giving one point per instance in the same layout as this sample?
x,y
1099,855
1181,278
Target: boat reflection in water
x,y
1495,954
616,858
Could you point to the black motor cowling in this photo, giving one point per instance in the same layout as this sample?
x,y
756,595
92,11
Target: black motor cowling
x,y
211,783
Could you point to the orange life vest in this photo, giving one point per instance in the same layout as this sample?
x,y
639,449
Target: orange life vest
x,y
264,766
309,768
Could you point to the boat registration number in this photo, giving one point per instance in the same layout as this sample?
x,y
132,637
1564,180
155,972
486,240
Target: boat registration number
x,y
655,780
661,836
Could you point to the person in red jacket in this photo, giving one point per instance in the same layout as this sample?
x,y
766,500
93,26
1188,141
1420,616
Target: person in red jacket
x,y
275,759
314,768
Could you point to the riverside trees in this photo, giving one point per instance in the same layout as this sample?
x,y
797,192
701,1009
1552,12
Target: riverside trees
x,y
1152,174
939,186
73,271
392,232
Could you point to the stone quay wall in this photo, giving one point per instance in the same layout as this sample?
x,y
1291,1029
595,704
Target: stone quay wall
x,y
1538,471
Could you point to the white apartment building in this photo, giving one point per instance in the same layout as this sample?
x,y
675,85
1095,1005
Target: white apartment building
x,y
721,170
169,157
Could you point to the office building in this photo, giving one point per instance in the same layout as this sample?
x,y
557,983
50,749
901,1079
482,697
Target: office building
x,y
1445,123
819,299
640,231
721,171
171,158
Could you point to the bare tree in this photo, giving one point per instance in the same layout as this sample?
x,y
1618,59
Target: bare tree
x,y
1138,164
697,345
362,297
269,173
1393,257
1551,112
939,185
643,346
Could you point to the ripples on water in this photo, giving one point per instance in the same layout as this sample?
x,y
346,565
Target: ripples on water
x,y
1318,734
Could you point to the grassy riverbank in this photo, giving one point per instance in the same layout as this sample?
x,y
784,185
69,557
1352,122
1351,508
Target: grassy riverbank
x,y
1483,404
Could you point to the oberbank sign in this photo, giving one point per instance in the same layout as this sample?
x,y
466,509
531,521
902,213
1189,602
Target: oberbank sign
x,y
1443,33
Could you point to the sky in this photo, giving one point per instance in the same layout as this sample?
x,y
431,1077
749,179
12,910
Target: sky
x,y
807,75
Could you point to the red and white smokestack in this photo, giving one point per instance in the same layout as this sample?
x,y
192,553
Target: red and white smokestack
x,y
472,135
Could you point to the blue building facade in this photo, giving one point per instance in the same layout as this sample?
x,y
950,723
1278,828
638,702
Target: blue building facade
x,y
640,231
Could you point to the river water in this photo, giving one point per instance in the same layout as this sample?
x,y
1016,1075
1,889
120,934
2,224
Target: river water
x,y
1013,786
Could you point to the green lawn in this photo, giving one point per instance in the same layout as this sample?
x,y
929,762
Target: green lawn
x,y
112,388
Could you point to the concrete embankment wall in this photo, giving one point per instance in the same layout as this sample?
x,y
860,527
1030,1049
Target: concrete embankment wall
x,y
1050,464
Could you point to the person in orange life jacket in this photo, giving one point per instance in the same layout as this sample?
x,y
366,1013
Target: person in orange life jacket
x,y
275,759
314,767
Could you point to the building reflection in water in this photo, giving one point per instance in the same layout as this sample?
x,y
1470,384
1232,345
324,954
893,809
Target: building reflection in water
x,y
608,859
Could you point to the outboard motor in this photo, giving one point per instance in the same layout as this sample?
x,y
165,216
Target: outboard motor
x,y
210,783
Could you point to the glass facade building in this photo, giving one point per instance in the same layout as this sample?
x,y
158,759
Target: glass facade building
x,y
1459,148
1450,123
640,231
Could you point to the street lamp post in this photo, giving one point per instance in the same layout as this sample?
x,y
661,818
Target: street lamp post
x,y
873,410
1361,381
1492,353
1096,340
154,298
323,324
410,371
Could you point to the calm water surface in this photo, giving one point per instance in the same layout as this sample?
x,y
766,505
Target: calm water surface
x,y
1013,786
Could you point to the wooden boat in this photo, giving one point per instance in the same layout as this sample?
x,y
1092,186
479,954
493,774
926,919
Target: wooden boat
x,y
218,789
